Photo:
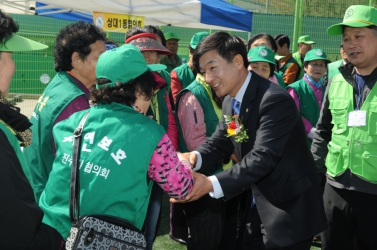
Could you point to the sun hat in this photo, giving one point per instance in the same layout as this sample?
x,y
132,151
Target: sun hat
x,y
197,38
147,42
356,16
171,35
316,54
18,43
122,64
261,54
305,39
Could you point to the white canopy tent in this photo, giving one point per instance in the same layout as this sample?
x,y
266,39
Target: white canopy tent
x,y
206,14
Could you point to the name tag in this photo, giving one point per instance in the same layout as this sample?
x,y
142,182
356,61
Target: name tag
x,y
357,118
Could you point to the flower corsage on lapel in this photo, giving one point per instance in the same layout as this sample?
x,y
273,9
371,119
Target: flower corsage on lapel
x,y
236,128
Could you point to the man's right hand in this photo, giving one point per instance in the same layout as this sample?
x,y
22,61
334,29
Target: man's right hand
x,y
202,186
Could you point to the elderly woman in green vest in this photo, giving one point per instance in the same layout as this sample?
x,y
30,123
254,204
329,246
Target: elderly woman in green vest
x,y
309,91
123,151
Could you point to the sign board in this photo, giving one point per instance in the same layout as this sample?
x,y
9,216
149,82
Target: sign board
x,y
111,22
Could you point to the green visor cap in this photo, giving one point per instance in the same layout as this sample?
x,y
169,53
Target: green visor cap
x,y
261,54
197,38
356,16
305,39
18,43
122,64
171,35
316,54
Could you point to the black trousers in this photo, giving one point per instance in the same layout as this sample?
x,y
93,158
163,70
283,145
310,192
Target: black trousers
x,y
204,218
253,234
351,218
178,227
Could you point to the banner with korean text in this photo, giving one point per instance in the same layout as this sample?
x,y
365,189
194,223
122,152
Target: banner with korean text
x,y
111,22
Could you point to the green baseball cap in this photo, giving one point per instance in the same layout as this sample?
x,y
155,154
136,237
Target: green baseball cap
x,y
197,38
356,16
316,54
122,64
18,43
261,54
171,35
305,39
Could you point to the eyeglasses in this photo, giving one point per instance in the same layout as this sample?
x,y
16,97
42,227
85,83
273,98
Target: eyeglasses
x,y
149,53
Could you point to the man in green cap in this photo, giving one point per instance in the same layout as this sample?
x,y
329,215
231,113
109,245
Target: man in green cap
x,y
304,45
345,140
173,60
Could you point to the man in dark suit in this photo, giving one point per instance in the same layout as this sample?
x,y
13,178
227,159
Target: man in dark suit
x,y
287,208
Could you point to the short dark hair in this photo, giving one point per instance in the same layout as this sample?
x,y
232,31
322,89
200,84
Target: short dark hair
x,y
156,31
111,41
8,26
227,46
282,39
124,93
266,36
135,31
75,37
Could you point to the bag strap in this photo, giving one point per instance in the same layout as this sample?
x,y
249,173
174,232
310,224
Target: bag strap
x,y
74,201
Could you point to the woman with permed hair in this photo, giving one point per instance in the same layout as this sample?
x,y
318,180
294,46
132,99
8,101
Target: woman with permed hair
x,y
77,49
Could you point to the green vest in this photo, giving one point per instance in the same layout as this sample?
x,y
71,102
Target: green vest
x,y
280,80
286,66
212,114
333,69
297,57
185,75
60,92
166,75
308,103
353,147
113,166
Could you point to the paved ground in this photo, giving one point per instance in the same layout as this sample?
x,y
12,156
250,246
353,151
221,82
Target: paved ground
x,y
27,106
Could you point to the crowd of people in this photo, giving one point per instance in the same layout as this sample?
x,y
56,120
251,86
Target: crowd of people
x,y
258,147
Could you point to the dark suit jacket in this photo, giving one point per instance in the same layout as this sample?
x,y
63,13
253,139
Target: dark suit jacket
x,y
276,164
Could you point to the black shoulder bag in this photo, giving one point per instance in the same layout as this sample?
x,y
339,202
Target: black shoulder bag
x,y
96,231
